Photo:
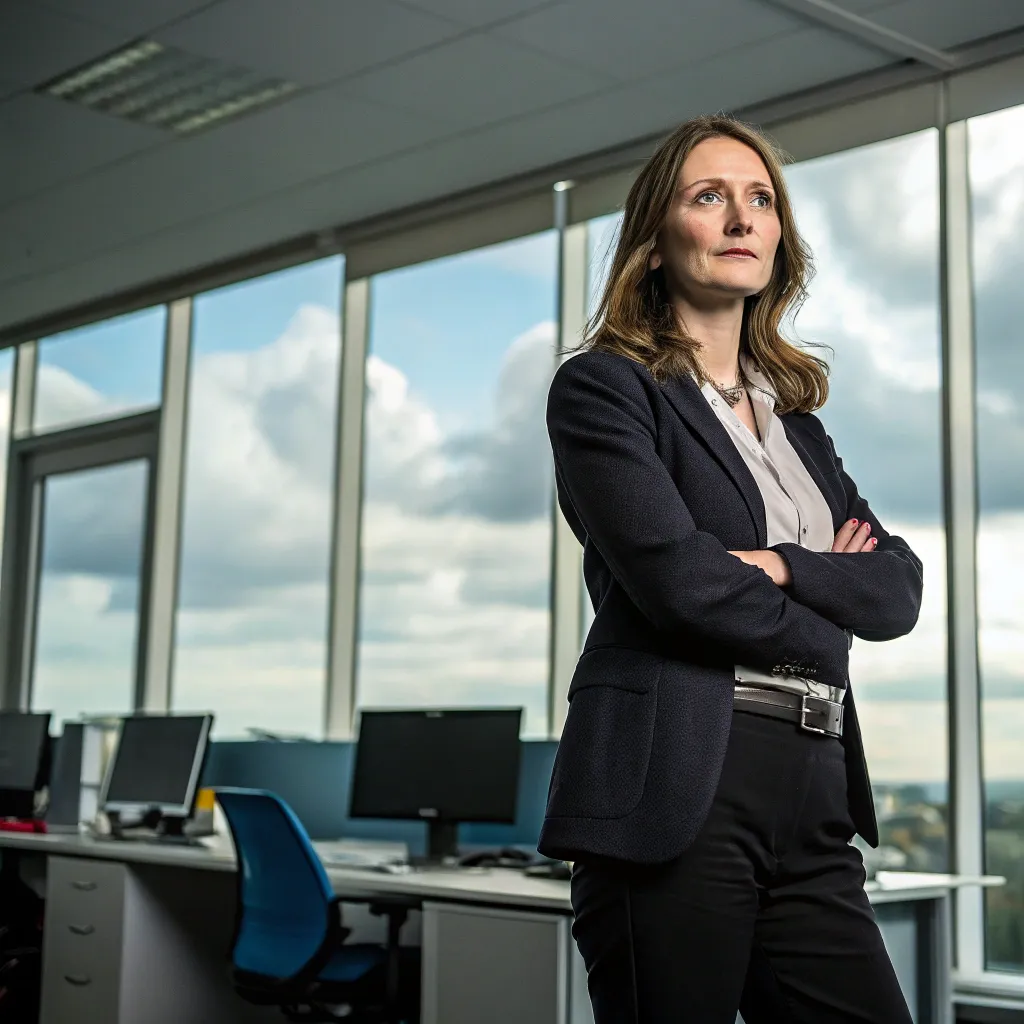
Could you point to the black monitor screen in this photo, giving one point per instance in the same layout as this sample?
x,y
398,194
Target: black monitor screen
x,y
446,765
23,741
157,761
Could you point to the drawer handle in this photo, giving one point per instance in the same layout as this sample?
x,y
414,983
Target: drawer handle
x,y
83,886
81,980
81,929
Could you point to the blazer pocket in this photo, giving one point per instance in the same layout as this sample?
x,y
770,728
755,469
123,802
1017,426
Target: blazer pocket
x,y
601,764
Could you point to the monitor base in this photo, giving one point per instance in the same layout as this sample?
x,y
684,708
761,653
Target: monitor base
x,y
442,843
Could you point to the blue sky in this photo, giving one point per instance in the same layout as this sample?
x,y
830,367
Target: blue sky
x,y
120,358
254,313
446,324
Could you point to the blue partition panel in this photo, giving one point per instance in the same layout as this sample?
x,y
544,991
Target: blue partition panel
x,y
315,779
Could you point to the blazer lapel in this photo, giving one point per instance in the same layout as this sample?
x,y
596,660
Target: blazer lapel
x,y
692,407
837,508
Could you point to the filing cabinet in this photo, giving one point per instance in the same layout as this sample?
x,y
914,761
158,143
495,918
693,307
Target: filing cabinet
x,y
83,939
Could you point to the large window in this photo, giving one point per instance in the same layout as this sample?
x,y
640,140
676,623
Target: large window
x,y
252,607
997,195
456,525
87,616
107,369
871,217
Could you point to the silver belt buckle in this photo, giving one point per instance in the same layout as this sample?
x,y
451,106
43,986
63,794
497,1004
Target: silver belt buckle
x,y
804,710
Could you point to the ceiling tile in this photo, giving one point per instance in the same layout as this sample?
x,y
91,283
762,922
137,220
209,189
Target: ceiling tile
x,y
863,7
477,79
313,42
950,23
37,44
644,37
56,141
130,17
195,177
473,12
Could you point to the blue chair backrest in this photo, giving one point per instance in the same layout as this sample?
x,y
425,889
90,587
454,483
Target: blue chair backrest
x,y
284,892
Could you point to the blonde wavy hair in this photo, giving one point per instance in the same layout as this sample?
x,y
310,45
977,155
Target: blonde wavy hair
x,y
635,317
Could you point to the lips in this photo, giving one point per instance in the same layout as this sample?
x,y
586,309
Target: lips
x,y
739,252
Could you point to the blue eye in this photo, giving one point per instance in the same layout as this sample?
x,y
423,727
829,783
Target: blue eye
x,y
704,194
767,205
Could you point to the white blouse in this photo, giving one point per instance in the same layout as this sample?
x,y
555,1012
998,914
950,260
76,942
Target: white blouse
x,y
795,510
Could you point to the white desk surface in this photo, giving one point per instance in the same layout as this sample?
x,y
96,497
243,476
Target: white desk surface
x,y
495,886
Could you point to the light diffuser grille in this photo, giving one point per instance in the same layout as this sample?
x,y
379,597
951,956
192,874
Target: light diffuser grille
x,y
161,86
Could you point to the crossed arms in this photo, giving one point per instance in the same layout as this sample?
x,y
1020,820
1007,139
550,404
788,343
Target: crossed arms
x,y
602,434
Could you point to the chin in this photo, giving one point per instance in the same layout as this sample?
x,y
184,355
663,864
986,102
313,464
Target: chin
x,y
740,287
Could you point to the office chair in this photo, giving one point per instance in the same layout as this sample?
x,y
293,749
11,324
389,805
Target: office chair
x,y
289,947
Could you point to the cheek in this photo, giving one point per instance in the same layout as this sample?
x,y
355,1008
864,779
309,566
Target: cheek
x,y
772,236
695,235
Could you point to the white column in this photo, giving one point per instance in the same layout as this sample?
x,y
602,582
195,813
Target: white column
x,y
340,697
155,686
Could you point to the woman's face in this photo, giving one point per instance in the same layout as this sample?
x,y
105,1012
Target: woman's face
x,y
722,229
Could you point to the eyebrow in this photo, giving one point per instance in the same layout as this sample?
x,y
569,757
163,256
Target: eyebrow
x,y
721,181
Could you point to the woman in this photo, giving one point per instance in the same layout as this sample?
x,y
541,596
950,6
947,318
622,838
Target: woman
x,y
710,774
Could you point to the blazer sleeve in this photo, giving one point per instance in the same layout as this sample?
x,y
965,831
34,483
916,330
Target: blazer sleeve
x,y
602,432
876,594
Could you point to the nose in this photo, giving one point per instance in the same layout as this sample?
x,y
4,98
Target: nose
x,y
740,221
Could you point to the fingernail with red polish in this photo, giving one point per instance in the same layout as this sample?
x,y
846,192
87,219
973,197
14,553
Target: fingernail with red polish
x,y
854,521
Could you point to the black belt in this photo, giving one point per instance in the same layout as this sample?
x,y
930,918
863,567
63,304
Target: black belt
x,y
811,713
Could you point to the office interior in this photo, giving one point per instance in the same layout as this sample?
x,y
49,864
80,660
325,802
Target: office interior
x,y
281,290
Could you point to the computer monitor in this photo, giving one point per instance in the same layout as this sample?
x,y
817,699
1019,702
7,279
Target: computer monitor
x,y
24,760
438,765
156,766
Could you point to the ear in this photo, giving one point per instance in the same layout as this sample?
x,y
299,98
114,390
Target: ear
x,y
654,261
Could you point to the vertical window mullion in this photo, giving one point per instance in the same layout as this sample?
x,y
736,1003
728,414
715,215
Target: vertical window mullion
x,y
960,487
169,467
340,695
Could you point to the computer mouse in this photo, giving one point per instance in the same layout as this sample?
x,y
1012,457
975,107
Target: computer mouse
x,y
481,859
556,869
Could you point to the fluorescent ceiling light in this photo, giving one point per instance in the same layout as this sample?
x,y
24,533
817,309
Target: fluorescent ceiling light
x,y
164,87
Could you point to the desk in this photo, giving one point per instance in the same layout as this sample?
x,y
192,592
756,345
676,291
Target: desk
x,y
139,933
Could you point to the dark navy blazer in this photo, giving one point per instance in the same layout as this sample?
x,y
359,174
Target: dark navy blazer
x,y
654,489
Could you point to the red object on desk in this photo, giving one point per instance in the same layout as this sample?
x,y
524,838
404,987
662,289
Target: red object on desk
x,y
14,825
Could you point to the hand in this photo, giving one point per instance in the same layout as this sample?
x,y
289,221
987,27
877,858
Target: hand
x,y
854,537
770,562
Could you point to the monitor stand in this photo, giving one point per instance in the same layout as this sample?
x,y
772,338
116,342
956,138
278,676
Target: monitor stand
x,y
442,845
153,828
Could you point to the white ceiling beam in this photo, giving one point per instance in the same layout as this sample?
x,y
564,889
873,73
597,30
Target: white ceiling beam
x,y
823,12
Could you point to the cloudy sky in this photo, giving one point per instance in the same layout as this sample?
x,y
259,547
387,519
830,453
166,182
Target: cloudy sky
x,y
456,527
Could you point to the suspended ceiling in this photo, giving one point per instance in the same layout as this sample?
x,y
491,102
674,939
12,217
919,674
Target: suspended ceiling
x,y
400,103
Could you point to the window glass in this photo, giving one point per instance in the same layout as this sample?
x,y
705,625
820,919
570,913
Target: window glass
x,y
602,237
997,198
107,369
262,405
6,384
87,617
871,216
456,524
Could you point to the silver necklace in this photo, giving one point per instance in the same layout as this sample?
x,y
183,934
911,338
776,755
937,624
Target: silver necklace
x,y
733,395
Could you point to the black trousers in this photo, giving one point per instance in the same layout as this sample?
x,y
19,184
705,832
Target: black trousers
x,y
765,913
